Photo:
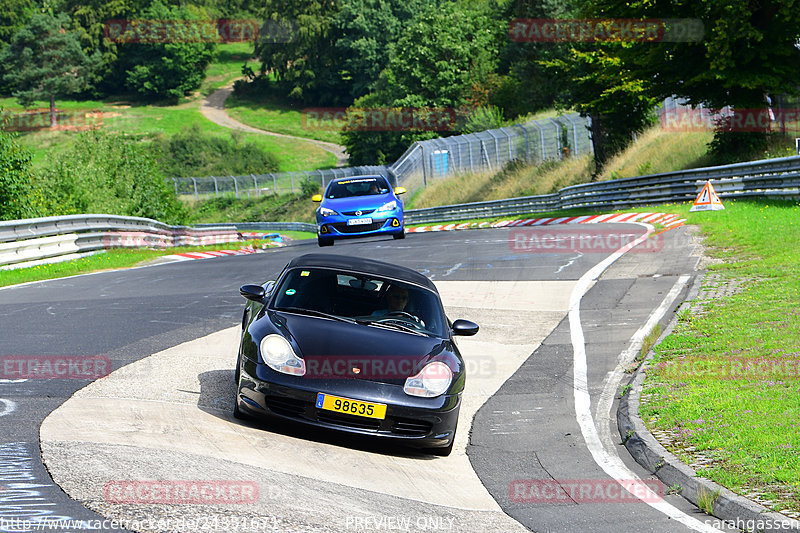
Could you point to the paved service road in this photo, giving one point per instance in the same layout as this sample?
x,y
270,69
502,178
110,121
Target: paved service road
x,y
170,333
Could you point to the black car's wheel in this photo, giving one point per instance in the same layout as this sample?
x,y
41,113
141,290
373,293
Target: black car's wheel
x,y
324,242
401,235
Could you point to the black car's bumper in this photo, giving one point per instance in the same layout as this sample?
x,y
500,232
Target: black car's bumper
x,y
418,422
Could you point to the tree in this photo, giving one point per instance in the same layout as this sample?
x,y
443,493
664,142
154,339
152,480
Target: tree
x,y
602,87
444,56
299,49
746,51
44,60
165,67
15,179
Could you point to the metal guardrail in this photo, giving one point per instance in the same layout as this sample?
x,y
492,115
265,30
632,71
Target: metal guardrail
x,y
23,241
265,226
34,240
772,178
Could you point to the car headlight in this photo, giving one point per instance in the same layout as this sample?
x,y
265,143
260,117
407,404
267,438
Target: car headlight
x,y
277,353
433,380
391,206
324,211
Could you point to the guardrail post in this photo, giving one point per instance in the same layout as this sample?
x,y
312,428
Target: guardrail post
x,y
194,182
216,187
235,185
255,184
274,184
175,181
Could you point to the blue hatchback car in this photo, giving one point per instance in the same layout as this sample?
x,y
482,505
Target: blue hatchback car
x,y
359,206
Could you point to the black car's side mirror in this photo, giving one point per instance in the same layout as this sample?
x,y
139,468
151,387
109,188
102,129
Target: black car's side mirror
x,y
464,327
253,292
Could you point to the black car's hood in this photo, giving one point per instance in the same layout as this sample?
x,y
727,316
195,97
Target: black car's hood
x,y
334,349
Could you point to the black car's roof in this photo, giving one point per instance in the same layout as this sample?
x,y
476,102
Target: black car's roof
x,y
366,266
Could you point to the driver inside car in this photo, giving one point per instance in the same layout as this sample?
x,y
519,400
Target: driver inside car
x,y
396,298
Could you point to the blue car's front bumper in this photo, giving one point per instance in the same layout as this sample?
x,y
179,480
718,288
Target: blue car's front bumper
x,y
337,227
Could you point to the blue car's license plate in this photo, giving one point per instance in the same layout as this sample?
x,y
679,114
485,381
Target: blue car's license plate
x,y
359,221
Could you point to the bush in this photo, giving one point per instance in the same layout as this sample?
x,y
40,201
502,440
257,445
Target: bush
x,y
109,173
194,153
16,188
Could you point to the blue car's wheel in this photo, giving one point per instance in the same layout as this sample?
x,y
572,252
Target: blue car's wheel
x,y
324,242
401,235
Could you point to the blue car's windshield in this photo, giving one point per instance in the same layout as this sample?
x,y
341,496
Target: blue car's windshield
x,y
369,300
363,186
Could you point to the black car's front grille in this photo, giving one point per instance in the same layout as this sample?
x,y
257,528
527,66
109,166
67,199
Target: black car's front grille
x,y
342,227
406,426
285,406
357,214
348,420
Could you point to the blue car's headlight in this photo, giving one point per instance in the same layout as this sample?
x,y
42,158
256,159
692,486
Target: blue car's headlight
x,y
277,353
325,212
391,206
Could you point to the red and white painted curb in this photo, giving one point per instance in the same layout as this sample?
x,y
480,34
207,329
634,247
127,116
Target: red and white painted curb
x,y
187,256
668,220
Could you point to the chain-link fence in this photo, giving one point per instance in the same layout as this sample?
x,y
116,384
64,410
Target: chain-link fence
x,y
255,185
424,162
533,142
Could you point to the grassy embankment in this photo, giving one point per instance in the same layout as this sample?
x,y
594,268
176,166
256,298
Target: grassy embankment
x,y
723,392
136,118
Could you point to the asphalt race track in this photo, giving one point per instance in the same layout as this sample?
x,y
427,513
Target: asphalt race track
x,y
537,447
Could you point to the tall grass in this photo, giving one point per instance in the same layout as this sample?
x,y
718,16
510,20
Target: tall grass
x,y
656,151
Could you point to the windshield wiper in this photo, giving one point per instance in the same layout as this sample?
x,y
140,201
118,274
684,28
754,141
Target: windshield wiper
x,y
314,312
389,325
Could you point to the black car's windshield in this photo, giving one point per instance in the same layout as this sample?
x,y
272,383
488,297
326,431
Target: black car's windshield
x,y
369,300
364,186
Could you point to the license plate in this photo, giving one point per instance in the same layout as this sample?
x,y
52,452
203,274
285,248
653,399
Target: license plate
x,y
351,407
359,221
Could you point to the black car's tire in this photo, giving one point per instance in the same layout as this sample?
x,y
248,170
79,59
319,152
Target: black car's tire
x,y
401,235
444,452
324,242
238,414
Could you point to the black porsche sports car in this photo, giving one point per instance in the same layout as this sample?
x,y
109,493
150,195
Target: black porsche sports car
x,y
355,345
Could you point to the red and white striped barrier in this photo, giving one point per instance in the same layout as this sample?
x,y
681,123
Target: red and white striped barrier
x,y
668,220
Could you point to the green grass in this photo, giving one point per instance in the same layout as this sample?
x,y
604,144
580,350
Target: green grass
x,y
276,115
726,380
166,120
228,66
